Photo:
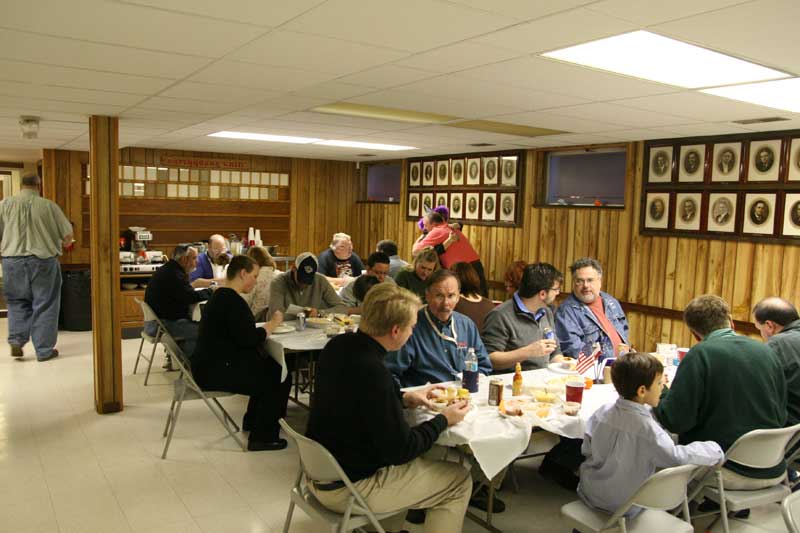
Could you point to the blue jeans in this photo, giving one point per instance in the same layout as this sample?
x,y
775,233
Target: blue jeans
x,y
183,329
32,288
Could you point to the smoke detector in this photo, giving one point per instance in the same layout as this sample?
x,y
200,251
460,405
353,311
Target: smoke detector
x,y
29,126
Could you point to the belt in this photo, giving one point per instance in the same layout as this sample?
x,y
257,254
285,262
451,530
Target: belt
x,y
334,485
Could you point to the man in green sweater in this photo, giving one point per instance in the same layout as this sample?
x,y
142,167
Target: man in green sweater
x,y
726,386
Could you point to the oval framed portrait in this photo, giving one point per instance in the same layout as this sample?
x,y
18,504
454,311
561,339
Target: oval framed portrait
x,y
759,213
764,160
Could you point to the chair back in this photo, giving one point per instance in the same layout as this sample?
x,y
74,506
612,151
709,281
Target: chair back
x,y
664,490
316,462
147,311
761,448
172,347
790,507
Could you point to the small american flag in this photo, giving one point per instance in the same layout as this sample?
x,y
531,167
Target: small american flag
x,y
585,362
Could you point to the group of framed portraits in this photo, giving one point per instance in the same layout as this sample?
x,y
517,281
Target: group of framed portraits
x,y
729,186
480,188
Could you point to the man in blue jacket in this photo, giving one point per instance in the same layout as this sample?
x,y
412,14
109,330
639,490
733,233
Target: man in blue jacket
x,y
589,315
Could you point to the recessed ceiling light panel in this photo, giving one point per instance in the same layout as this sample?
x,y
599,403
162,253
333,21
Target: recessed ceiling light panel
x,y
653,57
781,94
264,137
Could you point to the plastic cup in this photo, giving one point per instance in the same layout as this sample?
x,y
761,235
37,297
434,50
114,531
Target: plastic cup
x,y
575,391
682,353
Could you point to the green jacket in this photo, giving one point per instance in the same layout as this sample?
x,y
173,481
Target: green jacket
x,y
726,386
786,346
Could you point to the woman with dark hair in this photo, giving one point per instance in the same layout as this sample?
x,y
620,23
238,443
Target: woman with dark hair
x,y
470,302
230,356
258,298
513,276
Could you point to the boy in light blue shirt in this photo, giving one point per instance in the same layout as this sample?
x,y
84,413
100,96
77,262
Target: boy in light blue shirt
x,y
624,445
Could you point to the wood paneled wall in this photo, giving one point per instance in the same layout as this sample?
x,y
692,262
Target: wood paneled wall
x,y
659,272
61,182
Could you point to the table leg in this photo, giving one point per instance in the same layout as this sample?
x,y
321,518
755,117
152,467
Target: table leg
x,y
486,523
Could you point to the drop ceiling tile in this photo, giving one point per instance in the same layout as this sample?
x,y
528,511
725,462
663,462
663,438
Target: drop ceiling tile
x,y
334,90
457,57
241,74
523,9
433,104
578,139
335,56
40,107
557,31
649,13
605,112
187,106
642,134
10,88
80,54
261,12
792,124
218,93
701,107
413,25
386,76
552,120
700,130
313,117
143,27
304,129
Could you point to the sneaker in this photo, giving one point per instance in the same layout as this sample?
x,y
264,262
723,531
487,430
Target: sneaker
x,y
52,355
481,500
263,446
16,350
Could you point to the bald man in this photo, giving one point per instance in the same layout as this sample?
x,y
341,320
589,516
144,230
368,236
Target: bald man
x,y
779,324
203,275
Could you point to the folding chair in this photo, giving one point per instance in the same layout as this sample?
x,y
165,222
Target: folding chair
x,y
760,448
790,507
663,491
318,465
149,316
186,388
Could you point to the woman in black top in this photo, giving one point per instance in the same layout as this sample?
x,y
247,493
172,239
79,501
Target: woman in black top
x,y
230,356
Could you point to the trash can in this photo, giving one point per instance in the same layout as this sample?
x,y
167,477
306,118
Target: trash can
x,y
76,300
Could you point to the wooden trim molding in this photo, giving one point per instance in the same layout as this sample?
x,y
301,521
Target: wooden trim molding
x,y
673,314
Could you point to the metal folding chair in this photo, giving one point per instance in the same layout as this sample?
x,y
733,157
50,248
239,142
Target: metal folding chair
x,y
149,316
790,507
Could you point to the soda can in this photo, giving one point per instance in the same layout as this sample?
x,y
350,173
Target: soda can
x,y
301,321
495,392
547,333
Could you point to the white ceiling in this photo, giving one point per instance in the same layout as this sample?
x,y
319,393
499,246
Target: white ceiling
x,y
176,70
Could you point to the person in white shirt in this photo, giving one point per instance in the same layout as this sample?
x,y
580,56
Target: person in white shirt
x,y
624,444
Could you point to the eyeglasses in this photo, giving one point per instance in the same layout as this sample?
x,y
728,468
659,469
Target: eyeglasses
x,y
556,289
587,281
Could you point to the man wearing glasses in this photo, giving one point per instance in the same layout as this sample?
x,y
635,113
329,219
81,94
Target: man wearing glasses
x,y
515,331
590,316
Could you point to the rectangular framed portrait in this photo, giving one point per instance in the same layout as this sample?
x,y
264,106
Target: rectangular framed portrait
x,y
508,171
489,206
457,172
759,213
441,199
414,174
413,204
427,174
442,173
473,171
660,167
508,206
722,212
490,171
457,205
657,210
794,161
472,206
692,163
687,211
765,160
727,157
791,215
426,203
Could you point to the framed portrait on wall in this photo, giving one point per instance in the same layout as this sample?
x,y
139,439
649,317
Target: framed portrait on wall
x,y
490,171
759,213
456,205
687,211
508,207
427,174
764,162
457,172
692,163
473,171
414,175
726,162
473,206
442,173
722,212
508,172
660,169
427,203
657,210
413,204
489,206
441,199
794,160
791,215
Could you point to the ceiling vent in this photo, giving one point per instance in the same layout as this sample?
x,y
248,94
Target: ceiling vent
x,y
481,145
365,155
760,120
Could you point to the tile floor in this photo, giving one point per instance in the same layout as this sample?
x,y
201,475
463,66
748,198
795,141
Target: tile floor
x,y
66,469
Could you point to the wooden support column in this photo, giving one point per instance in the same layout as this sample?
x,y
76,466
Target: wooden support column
x,y
104,231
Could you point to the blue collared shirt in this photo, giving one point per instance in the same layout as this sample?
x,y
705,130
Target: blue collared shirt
x,y
537,316
623,446
577,328
428,358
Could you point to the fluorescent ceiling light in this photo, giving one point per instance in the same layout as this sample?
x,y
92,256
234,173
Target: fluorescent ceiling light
x,y
782,94
264,137
652,57
368,146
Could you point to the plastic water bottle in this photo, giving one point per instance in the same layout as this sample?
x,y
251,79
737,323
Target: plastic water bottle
x,y
469,377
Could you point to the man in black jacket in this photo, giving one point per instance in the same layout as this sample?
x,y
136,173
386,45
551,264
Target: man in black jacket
x,y
171,296
357,414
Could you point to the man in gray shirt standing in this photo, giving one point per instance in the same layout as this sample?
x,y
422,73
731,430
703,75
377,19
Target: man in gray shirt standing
x,y
33,231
